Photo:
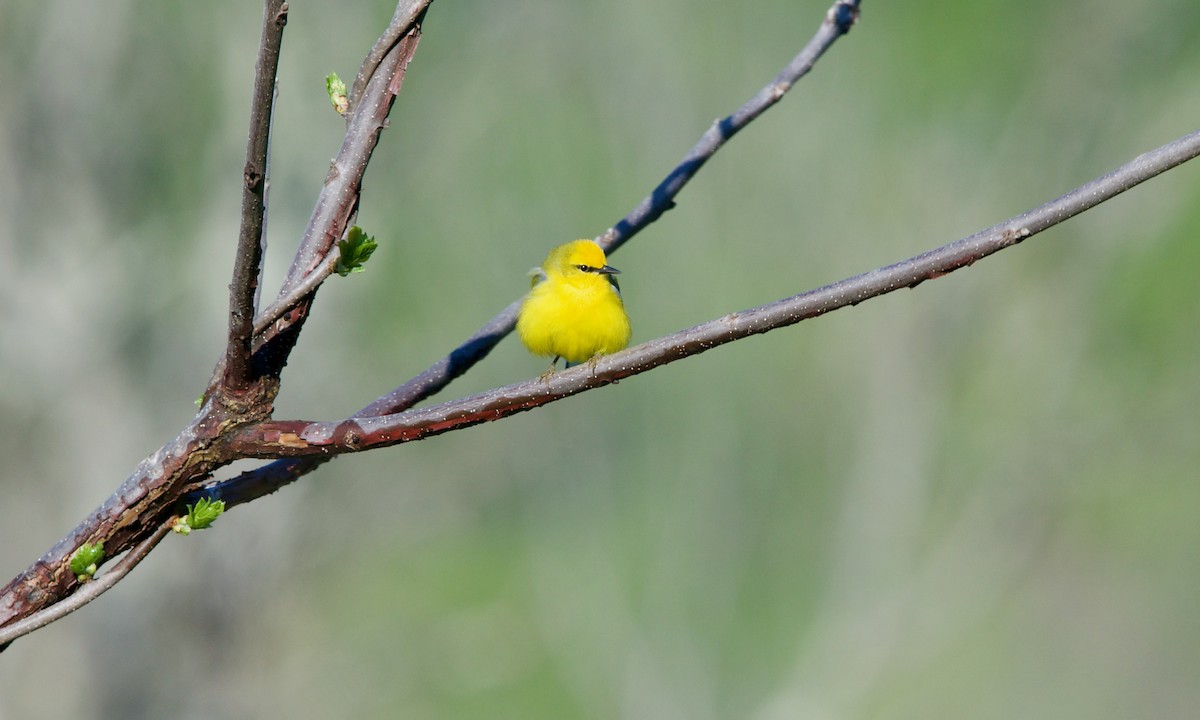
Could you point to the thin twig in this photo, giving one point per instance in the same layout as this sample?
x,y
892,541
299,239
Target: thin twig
x,y
838,21
294,296
272,439
248,259
88,592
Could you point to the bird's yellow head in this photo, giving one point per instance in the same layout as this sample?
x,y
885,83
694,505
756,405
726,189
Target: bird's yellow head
x,y
577,258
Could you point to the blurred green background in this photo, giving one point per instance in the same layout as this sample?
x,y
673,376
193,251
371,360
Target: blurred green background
x,y
976,499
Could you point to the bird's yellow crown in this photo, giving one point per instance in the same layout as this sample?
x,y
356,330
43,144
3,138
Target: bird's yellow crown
x,y
569,259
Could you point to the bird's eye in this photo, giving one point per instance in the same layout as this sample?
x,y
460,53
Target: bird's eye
x,y
583,268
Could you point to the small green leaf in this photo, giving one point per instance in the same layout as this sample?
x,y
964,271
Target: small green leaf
x,y
85,561
354,251
337,93
200,516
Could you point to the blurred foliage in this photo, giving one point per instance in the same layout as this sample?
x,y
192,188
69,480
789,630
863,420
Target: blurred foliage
x,y
976,499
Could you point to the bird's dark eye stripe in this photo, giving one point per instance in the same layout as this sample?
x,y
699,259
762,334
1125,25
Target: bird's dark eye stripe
x,y
587,268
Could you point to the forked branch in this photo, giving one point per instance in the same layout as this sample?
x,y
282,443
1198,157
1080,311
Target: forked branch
x,y
154,492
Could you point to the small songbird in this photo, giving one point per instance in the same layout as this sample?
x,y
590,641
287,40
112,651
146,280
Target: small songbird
x,y
574,310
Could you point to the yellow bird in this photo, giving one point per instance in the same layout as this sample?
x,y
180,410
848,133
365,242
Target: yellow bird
x,y
574,309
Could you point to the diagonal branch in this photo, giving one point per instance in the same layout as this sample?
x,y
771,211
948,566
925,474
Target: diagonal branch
x,y
301,438
838,21
248,258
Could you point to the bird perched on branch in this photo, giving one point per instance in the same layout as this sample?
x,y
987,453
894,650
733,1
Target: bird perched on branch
x,y
574,309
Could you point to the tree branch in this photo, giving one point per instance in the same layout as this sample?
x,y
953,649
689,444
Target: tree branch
x,y
248,258
301,438
838,21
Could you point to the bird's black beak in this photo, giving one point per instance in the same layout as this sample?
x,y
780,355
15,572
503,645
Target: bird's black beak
x,y
608,270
